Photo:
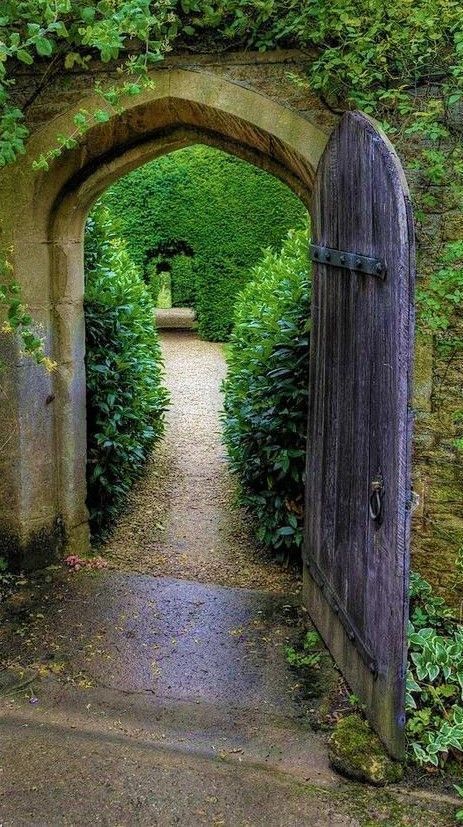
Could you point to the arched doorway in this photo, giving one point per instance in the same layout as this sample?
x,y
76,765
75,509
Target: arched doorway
x,y
43,466
363,281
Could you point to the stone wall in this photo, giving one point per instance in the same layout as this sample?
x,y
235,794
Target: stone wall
x,y
438,396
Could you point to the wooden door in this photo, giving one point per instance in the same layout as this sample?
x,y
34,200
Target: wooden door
x,y
358,493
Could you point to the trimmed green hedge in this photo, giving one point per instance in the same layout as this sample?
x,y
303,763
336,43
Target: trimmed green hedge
x,y
125,397
214,303
266,392
183,282
224,210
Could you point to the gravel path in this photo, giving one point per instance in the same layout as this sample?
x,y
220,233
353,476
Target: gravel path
x,y
182,519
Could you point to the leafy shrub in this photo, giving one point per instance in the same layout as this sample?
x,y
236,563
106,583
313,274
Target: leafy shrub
x,y
183,282
224,211
308,654
125,398
265,408
435,678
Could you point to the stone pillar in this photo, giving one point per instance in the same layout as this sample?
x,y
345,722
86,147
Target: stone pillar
x,y
71,425
9,452
38,519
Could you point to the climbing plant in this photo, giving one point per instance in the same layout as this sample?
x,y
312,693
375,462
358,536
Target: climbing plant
x,y
368,53
17,319
57,36
19,322
401,62
217,210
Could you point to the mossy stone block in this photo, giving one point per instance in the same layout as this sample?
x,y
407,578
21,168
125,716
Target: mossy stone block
x,y
356,752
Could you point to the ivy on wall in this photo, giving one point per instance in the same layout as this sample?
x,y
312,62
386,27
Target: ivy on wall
x,y
402,62
369,52
221,210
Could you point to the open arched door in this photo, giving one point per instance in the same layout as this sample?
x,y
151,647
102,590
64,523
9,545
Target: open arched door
x,y
358,491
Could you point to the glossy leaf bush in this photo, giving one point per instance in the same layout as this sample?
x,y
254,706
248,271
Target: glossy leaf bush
x,y
266,392
126,399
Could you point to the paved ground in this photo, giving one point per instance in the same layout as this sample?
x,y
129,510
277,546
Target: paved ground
x,y
140,700
156,691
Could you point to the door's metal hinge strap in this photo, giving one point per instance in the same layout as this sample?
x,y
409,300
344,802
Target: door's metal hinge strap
x,y
349,261
335,604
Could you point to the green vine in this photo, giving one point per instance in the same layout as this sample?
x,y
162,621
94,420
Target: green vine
x,y
401,62
55,36
17,320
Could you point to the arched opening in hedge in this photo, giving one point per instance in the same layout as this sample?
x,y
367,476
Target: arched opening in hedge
x,y
195,221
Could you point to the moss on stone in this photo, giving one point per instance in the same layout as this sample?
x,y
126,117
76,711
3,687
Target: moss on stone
x,y
356,751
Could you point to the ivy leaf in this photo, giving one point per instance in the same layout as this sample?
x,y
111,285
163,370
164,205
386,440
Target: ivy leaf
x,y
88,14
71,59
44,46
24,57
101,116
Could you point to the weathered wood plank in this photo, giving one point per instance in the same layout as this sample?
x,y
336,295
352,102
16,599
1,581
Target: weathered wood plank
x,y
359,420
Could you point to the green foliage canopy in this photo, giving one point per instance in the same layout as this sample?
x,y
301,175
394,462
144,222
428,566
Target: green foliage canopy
x,y
368,52
61,34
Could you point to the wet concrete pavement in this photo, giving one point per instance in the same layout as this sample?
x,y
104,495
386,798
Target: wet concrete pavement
x,y
141,700
155,700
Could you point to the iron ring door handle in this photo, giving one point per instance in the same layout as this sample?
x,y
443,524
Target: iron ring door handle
x,y
377,502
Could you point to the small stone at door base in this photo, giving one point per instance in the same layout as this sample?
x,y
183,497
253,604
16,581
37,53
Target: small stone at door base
x,y
356,752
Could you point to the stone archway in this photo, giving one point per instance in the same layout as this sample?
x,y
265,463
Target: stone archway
x,y
42,488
